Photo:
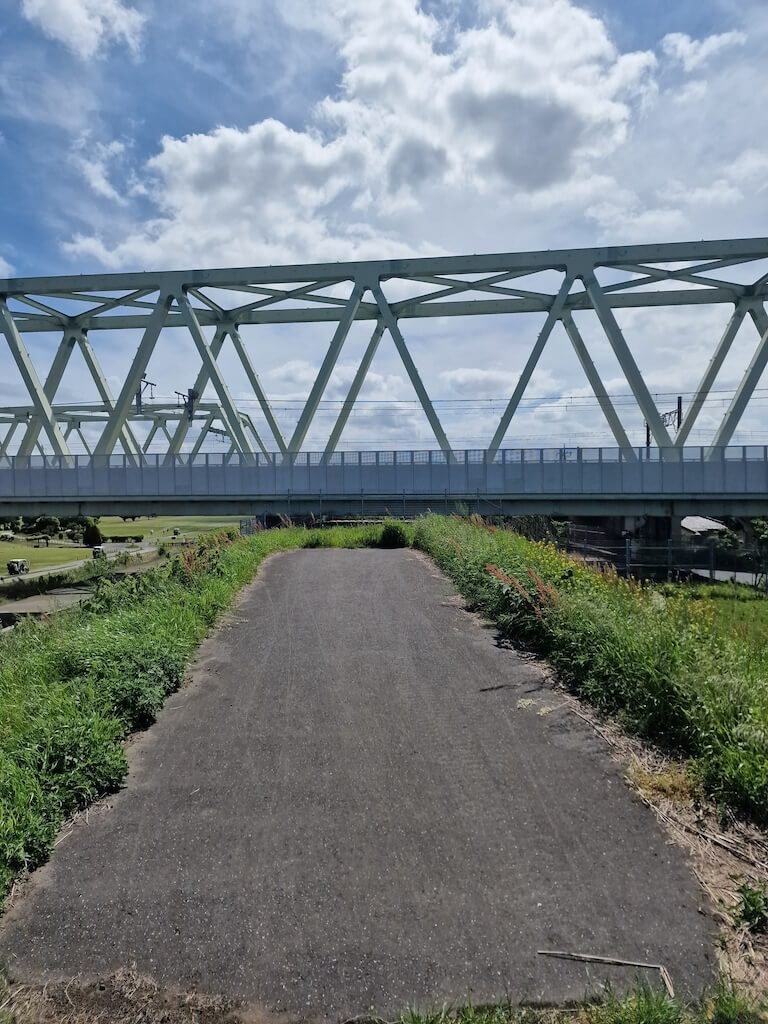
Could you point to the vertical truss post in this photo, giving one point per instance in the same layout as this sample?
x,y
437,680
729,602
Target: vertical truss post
x,y
410,368
32,383
711,372
253,380
326,369
229,412
747,384
127,438
182,427
596,383
51,386
626,360
354,389
119,414
554,314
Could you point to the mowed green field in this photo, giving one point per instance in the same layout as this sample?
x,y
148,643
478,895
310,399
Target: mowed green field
x,y
161,527
39,558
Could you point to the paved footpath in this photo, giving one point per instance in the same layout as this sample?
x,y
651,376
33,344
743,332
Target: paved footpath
x,y
358,804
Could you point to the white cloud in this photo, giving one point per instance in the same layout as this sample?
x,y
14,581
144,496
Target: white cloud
x,y
509,107
86,26
692,53
94,160
6,269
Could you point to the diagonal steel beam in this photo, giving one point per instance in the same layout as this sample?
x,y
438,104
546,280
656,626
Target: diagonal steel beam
x,y
354,390
119,415
203,434
51,386
253,380
410,368
711,372
596,383
554,314
201,382
449,287
685,275
5,442
747,384
246,420
32,383
229,412
326,369
626,361
150,436
127,438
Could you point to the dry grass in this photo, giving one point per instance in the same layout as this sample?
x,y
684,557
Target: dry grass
x,y
124,998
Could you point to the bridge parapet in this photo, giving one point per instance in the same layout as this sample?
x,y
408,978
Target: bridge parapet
x,y
557,476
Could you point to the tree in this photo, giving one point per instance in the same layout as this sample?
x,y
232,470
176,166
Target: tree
x,y
91,534
47,524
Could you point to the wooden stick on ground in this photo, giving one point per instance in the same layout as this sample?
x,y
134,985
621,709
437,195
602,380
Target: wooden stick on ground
x,y
590,958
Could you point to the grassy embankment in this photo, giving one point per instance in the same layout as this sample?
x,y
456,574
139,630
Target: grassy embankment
x,y
663,664
73,687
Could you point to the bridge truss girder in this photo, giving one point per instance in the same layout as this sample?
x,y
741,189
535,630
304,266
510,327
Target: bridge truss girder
x,y
212,305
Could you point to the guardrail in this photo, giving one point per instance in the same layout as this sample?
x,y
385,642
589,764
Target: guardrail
x,y
589,472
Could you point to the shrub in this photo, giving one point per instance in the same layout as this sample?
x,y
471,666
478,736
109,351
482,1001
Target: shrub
x,y
393,535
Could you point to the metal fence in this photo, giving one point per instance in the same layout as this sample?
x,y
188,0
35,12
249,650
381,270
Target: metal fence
x,y
735,470
696,561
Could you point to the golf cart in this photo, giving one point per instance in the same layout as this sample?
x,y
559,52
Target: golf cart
x,y
18,566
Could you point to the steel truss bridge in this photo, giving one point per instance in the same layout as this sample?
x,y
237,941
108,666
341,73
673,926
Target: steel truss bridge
x,y
212,305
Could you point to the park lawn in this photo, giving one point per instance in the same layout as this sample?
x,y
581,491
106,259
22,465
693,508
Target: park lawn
x,y
161,527
39,558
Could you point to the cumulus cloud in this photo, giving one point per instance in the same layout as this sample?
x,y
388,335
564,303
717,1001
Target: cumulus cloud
x,y
87,26
692,53
6,269
491,106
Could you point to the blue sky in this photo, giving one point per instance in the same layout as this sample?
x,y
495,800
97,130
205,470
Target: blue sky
x,y
141,133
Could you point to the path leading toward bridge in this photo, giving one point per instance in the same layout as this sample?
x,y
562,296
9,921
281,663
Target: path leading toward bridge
x,y
363,801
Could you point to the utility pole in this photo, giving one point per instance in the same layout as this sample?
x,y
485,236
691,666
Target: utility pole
x,y
140,392
188,401
673,418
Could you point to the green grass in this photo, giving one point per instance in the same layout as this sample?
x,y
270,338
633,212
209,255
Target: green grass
x,y
645,1005
39,558
161,527
73,687
658,662
735,610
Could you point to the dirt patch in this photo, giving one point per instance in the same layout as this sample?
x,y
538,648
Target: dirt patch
x,y
123,998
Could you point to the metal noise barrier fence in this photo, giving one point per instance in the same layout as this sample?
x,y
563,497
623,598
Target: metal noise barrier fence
x,y
736,470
